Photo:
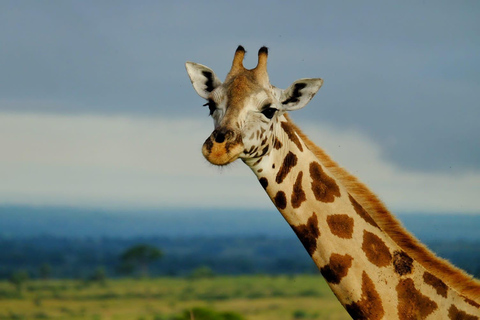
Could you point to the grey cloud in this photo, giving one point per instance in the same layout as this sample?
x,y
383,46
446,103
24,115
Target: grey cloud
x,y
404,73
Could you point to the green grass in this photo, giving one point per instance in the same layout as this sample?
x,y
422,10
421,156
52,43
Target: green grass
x,y
253,297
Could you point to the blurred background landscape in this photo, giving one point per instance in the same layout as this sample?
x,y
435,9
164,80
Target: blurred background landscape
x,y
74,242
108,209
70,263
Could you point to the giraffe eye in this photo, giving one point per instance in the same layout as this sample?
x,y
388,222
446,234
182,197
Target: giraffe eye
x,y
268,112
212,106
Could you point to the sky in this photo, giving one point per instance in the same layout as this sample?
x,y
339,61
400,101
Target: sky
x,y
96,108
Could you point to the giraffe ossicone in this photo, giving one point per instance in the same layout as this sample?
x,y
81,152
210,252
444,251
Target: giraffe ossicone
x,y
374,266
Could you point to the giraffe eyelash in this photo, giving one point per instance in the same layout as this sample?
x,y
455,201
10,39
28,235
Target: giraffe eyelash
x,y
212,106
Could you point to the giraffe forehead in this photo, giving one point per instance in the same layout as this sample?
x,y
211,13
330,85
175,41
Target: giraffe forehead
x,y
241,88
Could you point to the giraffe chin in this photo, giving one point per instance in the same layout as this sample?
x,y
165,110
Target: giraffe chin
x,y
221,154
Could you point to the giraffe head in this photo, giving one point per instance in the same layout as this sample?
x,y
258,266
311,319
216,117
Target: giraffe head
x,y
245,107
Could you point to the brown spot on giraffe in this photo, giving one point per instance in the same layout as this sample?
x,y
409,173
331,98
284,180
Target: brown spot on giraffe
x,y
412,304
324,187
376,250
471,302
277,144
264,151
362,212
208,144
232,143
298,195
308,233
280,200
257,162
402,263
455,314
337,268
289,162
292,135
263,182
249,151
370,304
341,225
436,283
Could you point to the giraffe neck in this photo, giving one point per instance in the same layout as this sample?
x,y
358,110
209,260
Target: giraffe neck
x,y
369,273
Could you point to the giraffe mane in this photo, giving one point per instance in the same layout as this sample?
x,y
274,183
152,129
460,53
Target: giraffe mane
x,y
454,277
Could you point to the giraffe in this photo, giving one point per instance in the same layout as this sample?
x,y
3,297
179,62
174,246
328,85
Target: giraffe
x,y
375,268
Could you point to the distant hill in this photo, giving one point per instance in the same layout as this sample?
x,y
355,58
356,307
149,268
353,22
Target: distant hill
x,y
74,242
18,221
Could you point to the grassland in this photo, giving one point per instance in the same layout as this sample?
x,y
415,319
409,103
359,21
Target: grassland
x,y
253,297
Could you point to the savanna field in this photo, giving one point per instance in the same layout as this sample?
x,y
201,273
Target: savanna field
x,y
203,277
173,298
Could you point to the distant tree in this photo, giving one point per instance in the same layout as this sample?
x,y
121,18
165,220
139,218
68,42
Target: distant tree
x,y
140,257
18,279
45,271
202,272
99,276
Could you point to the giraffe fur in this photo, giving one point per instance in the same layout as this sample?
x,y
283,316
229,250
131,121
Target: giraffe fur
x,y
376,269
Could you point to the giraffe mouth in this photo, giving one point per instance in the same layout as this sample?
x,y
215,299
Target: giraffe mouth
x,y
221,152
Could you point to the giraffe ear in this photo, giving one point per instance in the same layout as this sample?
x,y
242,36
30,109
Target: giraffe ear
x,y
299,93
203,79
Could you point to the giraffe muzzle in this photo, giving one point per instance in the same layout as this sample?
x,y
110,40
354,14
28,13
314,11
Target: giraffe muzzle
x,y
222,147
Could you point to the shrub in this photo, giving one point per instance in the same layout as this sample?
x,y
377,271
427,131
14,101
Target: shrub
x,y
202,272
18,279
202,313
299,314
41,315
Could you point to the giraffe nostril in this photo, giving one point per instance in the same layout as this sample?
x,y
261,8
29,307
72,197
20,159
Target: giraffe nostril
x,y
219,137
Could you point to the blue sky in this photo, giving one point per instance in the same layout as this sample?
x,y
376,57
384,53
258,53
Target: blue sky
x,y
96,108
